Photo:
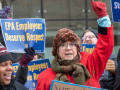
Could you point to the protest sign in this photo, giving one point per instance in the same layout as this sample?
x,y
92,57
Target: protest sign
x,y
34,69
88,47
115,6
59,85
23,33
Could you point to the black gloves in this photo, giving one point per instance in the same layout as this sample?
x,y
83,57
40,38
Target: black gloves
x,y
29,51
27,57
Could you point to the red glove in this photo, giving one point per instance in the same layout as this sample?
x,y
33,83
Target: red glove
x,y
99,8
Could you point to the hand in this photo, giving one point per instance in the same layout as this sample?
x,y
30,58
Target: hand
x,y
110,66
99,8
27,57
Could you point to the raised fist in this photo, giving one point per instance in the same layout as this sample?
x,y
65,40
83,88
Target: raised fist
x,y
99,8
27,57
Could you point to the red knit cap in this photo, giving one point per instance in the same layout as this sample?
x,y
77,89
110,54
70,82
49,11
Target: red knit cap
x,y
64,35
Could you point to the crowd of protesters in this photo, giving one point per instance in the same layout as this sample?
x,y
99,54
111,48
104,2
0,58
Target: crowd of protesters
x,y
99,69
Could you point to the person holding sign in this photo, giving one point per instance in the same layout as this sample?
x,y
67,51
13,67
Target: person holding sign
x,y
72,65
90,36
7,81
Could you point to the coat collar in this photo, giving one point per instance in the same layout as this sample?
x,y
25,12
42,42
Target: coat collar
x,y
2,87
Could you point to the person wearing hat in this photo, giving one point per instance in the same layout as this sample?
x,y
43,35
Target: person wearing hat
x,y
25,58
73,66
21,75
90,36
7,81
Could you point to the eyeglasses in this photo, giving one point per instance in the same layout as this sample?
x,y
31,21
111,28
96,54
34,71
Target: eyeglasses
x,y
64,45
90,37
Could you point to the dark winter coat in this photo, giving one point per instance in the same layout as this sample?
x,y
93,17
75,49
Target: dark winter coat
x,y
111,76
107,79
117,77
14,85
21,75
18,82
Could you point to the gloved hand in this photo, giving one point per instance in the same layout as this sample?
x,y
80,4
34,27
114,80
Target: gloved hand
x,y
118,56
27,57
99,8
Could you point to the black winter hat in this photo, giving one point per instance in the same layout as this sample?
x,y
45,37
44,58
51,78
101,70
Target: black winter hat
x,y
92,30
4,54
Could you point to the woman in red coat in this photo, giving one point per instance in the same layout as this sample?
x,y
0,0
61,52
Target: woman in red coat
x,y
71,65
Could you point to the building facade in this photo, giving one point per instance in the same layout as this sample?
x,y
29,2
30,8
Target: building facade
x,y
77,15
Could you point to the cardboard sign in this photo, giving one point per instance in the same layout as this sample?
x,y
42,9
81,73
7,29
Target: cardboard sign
x,y
88,47
59,85
34,69
115,6
23,33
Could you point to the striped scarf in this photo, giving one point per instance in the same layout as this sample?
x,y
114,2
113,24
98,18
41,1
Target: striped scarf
x,y
79,71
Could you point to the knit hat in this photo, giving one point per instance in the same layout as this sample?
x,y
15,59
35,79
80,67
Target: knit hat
x,y
4,54
62,36
92,30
